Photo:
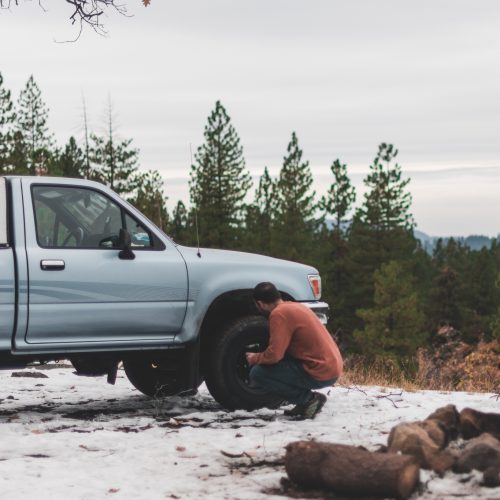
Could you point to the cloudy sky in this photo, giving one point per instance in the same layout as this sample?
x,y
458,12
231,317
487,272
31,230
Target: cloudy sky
x,y
344,75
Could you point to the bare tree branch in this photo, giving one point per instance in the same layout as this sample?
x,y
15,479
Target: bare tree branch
x,y
89,12
85,12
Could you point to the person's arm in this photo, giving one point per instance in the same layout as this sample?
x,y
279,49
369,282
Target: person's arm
x,y
279,340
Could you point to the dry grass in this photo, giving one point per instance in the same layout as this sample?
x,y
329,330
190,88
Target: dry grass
x,y
462,368
382,372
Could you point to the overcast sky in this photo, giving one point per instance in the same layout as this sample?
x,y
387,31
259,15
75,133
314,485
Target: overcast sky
x,y
344,75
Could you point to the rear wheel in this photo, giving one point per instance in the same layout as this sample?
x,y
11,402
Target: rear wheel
x,y
227,375
155,375
91,366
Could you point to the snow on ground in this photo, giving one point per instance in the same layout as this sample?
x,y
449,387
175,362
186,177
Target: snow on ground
x,y
69,437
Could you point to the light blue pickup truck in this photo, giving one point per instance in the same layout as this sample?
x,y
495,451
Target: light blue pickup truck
x,y
85,276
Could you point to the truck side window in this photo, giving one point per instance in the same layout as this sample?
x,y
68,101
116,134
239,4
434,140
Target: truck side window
x,y
51,232
82,218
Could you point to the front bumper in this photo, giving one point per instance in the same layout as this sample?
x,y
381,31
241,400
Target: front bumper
x,y
321,309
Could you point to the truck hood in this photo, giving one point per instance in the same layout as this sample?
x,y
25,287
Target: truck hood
x,y
227,269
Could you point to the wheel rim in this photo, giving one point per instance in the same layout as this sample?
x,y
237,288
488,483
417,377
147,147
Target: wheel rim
x,y
242,368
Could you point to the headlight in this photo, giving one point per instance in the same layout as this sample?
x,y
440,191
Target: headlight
x,y
315,282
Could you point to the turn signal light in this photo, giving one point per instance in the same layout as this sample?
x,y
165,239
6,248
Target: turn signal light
x,y
315,281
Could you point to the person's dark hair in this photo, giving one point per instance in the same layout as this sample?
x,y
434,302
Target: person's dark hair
x,y
266,292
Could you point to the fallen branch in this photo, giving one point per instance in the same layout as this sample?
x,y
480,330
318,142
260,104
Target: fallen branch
x,y
353,388
235,455
356,388
389,396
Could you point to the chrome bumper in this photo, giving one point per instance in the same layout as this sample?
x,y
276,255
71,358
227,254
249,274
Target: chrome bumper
x,y
321,309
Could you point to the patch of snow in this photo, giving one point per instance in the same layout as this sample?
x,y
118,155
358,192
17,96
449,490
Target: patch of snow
x,y
80,438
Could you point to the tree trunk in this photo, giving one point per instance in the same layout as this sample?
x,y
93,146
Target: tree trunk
x,y
424,441
449,418
351,470
473,423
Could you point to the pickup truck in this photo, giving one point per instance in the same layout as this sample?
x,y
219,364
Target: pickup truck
x,y
85,276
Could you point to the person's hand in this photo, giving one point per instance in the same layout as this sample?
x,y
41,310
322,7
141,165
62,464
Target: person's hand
x,y
251,357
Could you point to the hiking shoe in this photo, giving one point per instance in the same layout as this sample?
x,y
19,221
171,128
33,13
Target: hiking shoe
x,y
295,411
313,407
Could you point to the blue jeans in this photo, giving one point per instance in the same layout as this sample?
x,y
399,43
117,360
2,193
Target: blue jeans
x,y
287,379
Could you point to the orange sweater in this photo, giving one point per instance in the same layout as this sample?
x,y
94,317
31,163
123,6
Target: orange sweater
x,y
296,331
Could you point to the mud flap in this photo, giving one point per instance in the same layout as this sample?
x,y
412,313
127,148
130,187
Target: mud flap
x,y
189,371
112,372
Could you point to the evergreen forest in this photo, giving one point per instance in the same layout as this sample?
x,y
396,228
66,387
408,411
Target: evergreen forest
x,y
390,297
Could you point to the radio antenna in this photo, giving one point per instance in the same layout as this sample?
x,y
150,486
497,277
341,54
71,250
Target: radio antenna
x,y
198,253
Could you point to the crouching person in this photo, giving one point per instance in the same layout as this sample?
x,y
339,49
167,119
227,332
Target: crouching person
x,y
301,355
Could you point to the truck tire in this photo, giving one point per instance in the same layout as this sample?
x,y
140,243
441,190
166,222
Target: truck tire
x,y
154,376
227,371
90,367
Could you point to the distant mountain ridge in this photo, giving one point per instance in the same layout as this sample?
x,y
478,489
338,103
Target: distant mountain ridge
x,y
474,242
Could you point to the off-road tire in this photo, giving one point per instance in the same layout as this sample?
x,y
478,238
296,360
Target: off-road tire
x,y
90,367
226,374
153,377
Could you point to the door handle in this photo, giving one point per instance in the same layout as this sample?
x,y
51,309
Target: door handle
x,y
52,265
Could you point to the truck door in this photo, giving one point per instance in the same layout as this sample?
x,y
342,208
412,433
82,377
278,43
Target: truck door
x,y
80,290
7,275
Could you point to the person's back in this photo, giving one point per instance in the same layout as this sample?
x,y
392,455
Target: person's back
x,y
309,341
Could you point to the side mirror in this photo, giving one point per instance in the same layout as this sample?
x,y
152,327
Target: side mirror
x,y
124,241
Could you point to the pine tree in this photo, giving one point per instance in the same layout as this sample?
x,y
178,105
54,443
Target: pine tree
x,y
333,249
495,322
70,162
32,117
480,294
394,325
18,158
7,118
444,309
259,216
150,199
114,161
294,222
340,197
447,304
382,229
178,227
387,203
219,183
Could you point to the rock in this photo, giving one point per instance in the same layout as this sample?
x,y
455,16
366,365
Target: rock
x,y
473,423
449,418
480,453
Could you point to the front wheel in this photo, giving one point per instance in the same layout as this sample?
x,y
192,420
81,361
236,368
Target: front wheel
x,y
227,374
